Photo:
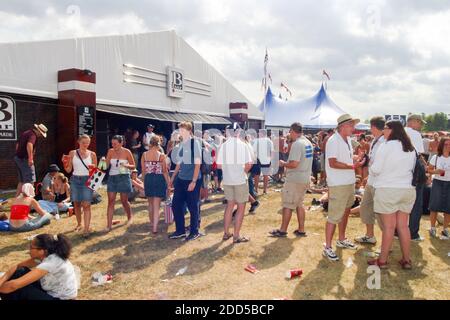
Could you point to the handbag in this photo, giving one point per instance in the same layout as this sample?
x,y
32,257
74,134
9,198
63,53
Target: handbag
x,y
420,172
168,212
96,176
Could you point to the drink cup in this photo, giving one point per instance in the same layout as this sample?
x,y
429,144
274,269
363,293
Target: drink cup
x,y
294,273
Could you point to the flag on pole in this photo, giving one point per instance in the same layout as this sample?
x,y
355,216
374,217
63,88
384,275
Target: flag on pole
x,y
270,78
287,89
326,74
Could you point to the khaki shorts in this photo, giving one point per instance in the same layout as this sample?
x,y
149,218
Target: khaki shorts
x,y
391,200
293,195
366,211
237,193
340,199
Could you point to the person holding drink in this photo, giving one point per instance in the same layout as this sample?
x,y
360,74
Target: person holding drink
x,y
440,190
121,161
80,162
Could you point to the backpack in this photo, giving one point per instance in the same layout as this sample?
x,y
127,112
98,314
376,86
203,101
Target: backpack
x,y
420,172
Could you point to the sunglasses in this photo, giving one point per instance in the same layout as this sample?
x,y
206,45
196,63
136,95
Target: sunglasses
x,y
117,163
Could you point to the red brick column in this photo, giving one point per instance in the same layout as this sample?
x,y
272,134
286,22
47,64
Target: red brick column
x,y
75,88
239,111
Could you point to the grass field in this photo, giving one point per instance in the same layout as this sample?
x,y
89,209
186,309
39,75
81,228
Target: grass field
x,y
144,266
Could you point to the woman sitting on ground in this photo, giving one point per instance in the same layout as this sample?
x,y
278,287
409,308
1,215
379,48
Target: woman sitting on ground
x,y
20,210
61,202
53,278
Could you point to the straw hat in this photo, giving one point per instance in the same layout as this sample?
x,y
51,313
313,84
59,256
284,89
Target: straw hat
x,y
42,129
346,118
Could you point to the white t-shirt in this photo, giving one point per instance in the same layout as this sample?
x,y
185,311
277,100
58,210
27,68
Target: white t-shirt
x,y
60,281
392,167
416,139
342,151
233,155
373,151
441,163
426,145
263,148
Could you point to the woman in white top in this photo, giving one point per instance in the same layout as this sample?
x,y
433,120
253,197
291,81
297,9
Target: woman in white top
x,y
121,161
394,196
80,161
53,278
440,190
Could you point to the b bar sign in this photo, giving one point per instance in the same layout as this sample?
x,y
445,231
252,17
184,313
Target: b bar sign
x,y
175,82
8,125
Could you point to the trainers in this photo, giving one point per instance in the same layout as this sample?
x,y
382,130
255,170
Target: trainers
x,y
418,239
254,206
366,239
432,232
192,237
330,254
346,244
177,235
445,233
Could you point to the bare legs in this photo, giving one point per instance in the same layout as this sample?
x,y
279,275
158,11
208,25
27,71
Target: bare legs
x,y
239,218
390,222
153,212
330,228
125,204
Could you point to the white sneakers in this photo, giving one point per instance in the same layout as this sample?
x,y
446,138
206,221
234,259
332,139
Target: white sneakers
x,y
366,239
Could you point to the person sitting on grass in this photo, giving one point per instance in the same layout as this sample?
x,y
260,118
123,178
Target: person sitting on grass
x,y
20,210
53,278
137,185
61,200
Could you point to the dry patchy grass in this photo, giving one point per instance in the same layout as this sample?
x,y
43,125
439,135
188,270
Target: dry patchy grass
x,y
144,266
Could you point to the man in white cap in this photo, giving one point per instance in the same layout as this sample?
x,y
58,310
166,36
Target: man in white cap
x,y
413,128
340,168
24,157
148,136
235,159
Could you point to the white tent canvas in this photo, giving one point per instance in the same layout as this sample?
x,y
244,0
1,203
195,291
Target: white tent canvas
x,y
317,112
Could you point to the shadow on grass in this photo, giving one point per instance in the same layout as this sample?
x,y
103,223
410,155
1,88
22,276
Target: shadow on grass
x,y
198,262
440,249
321,281
274,253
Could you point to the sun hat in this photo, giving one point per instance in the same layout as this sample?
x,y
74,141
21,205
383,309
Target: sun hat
x,y
42,129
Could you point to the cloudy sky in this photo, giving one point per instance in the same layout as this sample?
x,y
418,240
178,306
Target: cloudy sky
x,y
383,56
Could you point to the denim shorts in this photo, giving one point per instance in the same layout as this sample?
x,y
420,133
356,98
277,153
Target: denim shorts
x,y
78,190
26,173
120,183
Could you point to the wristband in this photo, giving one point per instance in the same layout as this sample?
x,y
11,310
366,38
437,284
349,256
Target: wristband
x,y
353,166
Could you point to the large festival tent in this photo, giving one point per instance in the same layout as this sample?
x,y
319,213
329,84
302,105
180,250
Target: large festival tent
x,y
317,112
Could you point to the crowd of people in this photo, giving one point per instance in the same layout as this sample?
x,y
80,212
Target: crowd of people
x,y
382,177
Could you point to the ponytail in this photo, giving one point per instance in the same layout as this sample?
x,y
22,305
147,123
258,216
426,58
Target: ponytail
x,y
54,244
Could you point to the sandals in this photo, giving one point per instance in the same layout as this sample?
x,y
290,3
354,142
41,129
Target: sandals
x,y
278,233
227,236
377,262
241,240
300,233
406,265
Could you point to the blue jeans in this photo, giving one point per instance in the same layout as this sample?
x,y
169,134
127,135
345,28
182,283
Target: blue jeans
x,y
52,207
416,212
251,187
182,199
33,224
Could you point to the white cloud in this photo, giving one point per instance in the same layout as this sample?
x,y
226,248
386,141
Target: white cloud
x,y
382,55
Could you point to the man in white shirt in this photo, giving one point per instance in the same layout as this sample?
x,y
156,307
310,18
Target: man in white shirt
x,y
235,160
367,213
148,136
413,127
264,150
340,169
